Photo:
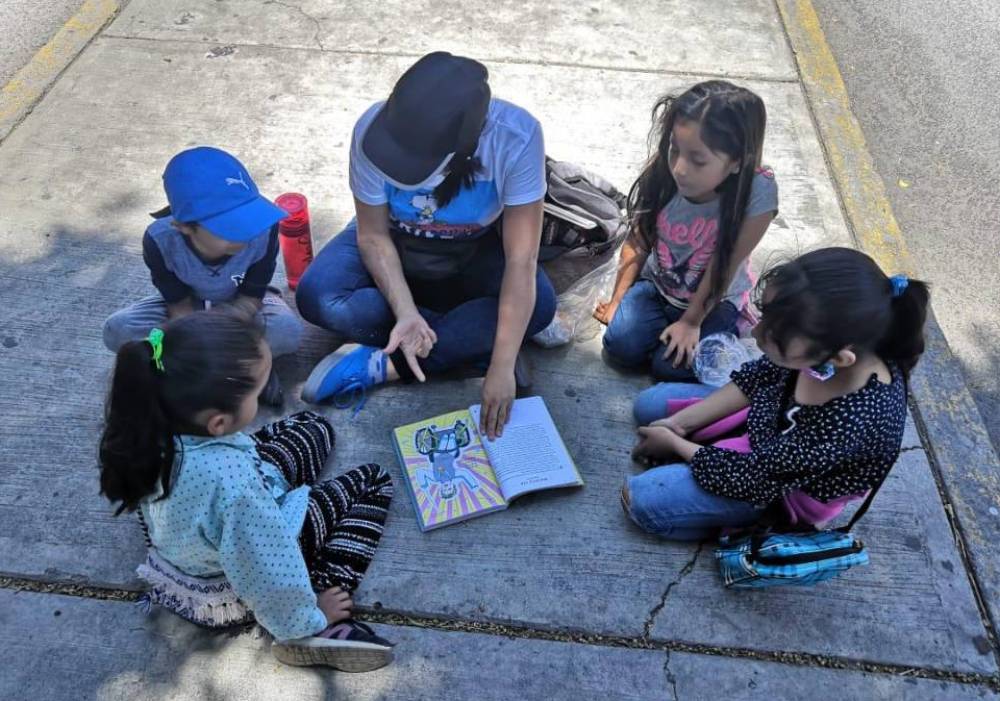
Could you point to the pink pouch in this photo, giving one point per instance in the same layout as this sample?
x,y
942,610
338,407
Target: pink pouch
x,y
801,507
726,424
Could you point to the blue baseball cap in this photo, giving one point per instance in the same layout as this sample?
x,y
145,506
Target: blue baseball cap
x,y
208,186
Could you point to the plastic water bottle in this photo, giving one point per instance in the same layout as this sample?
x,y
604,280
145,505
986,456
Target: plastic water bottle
x,y
717,356
295,236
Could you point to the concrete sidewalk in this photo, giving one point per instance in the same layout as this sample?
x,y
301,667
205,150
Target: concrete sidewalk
x,y
557,598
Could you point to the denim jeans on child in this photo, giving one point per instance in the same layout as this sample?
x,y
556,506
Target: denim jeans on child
x,y
633,336
337,293
666,500
282,328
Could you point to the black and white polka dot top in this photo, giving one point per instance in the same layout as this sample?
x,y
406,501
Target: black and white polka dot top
x,y
843,447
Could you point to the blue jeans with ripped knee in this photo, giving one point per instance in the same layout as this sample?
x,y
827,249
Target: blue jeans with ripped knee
x,y
667,500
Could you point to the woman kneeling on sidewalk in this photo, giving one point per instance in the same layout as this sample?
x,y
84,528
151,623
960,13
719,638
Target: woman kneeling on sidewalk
x,y
439,269
236,524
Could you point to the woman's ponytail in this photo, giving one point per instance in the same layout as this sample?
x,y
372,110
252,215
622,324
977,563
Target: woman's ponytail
x,y
462,171
903,341
137,446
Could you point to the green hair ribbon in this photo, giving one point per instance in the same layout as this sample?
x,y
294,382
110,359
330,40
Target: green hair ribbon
x,y
155,340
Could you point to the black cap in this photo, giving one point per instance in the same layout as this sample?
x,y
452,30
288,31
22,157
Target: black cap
x,y
438,107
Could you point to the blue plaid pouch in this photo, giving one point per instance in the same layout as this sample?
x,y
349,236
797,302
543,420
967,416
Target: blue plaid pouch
x,y
766,559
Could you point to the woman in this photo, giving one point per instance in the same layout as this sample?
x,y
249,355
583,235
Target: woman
x,y
439,268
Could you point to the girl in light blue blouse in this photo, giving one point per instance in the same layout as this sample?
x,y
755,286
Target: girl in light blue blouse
x,y
237,526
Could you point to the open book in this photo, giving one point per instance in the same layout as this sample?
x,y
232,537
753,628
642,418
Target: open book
x,y
453,474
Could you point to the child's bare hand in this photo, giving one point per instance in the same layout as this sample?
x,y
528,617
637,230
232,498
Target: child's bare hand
x,y
655,442
335,603
671,423
605,311
681,339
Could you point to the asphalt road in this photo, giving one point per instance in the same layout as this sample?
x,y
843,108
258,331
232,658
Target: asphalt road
x,y
25,26
924,81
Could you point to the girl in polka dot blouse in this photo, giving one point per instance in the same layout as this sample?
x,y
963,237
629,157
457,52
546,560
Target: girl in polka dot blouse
x,y
826,404
238,525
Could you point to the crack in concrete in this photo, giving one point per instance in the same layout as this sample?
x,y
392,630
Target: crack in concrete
x,y
671,679
684,572
506,60
317,27
380,615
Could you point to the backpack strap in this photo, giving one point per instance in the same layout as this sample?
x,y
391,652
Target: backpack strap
x,y
863,509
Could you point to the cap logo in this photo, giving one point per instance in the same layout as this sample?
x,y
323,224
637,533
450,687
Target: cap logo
x,y
238,181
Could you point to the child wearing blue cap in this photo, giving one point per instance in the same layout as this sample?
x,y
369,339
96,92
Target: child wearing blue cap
x,y
216,244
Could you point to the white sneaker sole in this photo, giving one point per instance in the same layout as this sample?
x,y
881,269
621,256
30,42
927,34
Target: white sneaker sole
x,y
343,655
315,379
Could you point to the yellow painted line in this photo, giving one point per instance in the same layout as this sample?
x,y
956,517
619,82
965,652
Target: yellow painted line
x,y
21,93
862,191
956,435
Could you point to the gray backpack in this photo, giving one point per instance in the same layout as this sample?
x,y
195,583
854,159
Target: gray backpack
x,y
582,211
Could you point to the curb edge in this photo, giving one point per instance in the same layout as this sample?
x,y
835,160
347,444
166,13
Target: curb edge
x,y
23,91
951,426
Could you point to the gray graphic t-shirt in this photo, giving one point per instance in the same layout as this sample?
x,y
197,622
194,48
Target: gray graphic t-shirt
x,y
686,236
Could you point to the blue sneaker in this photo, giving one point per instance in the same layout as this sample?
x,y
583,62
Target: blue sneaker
x,y
343,377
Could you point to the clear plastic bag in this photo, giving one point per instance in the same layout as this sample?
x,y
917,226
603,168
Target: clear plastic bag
x,y
718,355
574,319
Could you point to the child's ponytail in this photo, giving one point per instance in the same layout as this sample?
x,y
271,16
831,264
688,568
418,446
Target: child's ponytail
x,y
137,447
205,360
836,298
904,339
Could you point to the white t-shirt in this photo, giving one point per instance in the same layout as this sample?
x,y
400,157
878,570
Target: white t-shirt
x,y
512,152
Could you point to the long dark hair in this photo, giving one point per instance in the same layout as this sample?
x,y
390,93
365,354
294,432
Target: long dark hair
x,y
208,360
462,170
732,121
839,297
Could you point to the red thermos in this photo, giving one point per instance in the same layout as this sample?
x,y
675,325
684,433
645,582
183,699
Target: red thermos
x,y
295,236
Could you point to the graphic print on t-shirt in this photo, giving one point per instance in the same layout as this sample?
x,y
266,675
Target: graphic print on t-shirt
x,y
684,250
417,212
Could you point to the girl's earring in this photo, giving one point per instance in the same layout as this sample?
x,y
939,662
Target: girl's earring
x,y
822,372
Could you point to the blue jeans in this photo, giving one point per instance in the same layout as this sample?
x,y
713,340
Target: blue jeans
x,y
337,293
666,500
633,336
651,404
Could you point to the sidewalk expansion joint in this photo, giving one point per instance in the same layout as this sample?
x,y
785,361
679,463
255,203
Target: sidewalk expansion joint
x,y
506,60
684,572
513,631
66,588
